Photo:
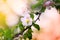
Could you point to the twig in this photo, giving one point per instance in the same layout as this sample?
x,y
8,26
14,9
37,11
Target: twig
x,y
26,28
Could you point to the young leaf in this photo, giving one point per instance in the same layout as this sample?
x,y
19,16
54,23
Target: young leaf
x,y
36,26
21,26
28,34
32,15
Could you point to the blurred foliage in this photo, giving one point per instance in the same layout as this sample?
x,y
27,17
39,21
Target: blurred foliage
x,y
37,5
32,15
8,33
40,3
57,2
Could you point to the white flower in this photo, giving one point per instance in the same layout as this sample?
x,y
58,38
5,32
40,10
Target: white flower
x,y
26,20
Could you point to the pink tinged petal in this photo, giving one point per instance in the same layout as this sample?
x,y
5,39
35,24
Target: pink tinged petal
x,y
12,20
24,20
17,6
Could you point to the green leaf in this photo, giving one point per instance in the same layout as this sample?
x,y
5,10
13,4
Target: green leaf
x,y
29,30
36,26
28,34
32,15
21,26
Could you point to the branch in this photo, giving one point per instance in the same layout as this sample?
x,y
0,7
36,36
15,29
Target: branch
x,y
26,28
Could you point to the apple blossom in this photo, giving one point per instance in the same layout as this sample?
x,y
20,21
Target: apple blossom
x,y
26,20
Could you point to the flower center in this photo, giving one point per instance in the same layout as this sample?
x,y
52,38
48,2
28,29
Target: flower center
x,y
27,20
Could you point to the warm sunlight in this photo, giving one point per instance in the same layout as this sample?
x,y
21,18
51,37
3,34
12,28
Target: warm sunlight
x,y
29,20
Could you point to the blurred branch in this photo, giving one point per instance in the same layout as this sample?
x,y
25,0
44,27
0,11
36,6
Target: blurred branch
x,y
57,4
